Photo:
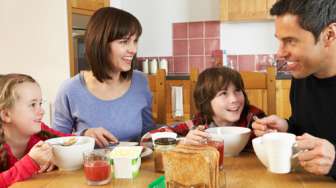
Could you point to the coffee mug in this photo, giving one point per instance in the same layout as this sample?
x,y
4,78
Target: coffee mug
x,y
275,151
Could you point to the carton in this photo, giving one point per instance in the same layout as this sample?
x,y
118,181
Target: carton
x,y
126,161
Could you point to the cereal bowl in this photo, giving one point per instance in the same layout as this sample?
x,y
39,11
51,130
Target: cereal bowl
x,y
235,138
70,157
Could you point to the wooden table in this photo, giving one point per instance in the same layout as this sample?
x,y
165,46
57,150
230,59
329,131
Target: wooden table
x,y
242,171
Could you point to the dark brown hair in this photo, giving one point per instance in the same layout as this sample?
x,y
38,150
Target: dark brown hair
x,y
106,25
314,15
209,83
8,96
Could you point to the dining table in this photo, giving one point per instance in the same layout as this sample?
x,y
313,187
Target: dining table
x,y
244,170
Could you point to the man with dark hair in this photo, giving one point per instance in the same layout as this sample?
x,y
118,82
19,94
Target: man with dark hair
x,y
306,30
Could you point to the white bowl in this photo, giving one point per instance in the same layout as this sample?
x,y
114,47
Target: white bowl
x,y
235,138
70,158
163,135
259,150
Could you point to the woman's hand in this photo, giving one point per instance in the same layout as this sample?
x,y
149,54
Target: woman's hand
x,y
42,154
102,136
196,136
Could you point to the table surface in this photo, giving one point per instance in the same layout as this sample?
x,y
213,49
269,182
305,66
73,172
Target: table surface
x,y
244,170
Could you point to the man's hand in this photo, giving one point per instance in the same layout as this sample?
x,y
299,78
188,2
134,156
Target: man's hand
x,y
320,154
269,124
102,136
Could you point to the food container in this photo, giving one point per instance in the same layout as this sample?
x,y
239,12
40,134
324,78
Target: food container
x,y
126,161
162,145
145,66
164,65
153,66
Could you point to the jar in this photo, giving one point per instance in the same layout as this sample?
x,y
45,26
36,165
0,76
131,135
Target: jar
x,y
162,145
145,66
164,65
153,65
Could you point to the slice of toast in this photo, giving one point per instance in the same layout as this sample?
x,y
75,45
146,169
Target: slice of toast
x,y
187,166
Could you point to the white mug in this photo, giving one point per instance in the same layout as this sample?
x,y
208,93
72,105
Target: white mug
x,y
275,151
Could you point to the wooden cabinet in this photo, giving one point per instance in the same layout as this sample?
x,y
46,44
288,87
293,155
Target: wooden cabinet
x,y
187,94
283,107
245,10
188,86
83,7
88,7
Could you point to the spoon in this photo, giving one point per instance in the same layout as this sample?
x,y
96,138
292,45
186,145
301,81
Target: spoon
x,y
69,142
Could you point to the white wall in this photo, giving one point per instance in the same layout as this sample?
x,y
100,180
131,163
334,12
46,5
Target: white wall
x,y
157,16
248,38
34,41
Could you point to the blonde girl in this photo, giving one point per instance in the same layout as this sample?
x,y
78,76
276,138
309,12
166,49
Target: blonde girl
x,y
22,132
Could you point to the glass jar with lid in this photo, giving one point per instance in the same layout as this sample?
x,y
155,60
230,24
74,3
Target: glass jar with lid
x,y
162,145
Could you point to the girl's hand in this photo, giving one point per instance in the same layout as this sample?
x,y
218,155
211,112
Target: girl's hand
x,y
41,153
197,136
47,167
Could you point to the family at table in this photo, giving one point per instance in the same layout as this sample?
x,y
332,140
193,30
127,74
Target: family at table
x,y
112,102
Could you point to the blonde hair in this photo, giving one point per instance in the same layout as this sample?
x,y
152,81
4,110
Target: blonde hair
x,y
7,88
8,96
8,83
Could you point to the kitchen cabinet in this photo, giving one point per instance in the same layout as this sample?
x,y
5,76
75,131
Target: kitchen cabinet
x,y
245,10
283,107
88,7
82,7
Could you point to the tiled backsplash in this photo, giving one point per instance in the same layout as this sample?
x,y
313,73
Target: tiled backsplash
x,y
193,43
197,44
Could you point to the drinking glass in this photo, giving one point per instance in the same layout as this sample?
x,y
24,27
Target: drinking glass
x,y
218,143
97,168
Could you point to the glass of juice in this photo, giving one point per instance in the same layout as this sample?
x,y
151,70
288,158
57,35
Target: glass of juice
x,y
218,143
97,168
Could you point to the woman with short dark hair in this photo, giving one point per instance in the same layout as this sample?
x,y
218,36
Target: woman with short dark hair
x,y
111,102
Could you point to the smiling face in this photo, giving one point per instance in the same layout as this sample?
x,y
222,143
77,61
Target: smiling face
x,y
26,113
227,105
298,47
122,51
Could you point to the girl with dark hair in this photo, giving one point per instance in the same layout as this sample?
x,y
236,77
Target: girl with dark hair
x,y
111,102
22,132
221,100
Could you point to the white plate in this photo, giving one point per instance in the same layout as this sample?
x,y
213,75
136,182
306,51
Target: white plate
x,y
147,152
122,143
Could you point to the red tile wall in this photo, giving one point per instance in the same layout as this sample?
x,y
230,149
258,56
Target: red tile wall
x,y
197,44
202,39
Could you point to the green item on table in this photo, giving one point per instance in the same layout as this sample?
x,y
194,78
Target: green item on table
x,y
158,183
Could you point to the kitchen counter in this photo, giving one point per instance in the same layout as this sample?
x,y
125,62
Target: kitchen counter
x,y
283,76
184,76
